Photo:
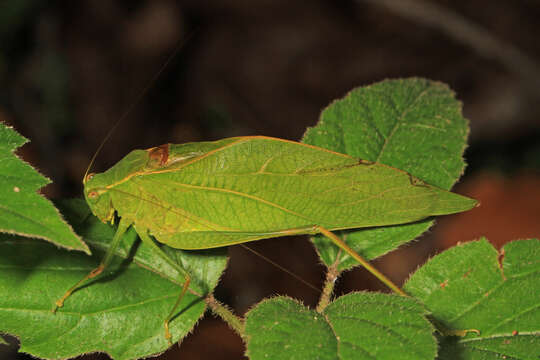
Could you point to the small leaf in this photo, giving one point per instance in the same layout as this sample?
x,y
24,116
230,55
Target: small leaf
x,y
355,326
122,312
467,288
414,125
23,210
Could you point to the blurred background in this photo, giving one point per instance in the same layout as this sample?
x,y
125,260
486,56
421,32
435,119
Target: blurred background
x,y
70,70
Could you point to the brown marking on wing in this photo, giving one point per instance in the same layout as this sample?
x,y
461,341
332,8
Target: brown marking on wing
x,y
158,156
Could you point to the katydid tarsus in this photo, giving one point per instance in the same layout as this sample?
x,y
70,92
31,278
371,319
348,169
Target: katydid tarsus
x,y
213,194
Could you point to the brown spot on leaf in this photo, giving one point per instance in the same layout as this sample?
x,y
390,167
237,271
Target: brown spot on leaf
x,y
500,259
514,333
444,283
467,273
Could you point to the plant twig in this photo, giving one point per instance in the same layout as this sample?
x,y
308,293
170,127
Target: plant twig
x,y
221,310
332,274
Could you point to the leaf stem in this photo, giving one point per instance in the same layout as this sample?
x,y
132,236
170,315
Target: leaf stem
x,y
332,274
236,323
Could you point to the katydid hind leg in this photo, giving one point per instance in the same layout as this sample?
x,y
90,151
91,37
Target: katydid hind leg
x,y
143,234
107,258
342,245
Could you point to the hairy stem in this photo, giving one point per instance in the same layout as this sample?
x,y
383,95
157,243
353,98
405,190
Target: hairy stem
x,y
332,274
236,323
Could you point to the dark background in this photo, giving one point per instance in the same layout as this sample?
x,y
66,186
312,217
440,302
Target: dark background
x,y
69,70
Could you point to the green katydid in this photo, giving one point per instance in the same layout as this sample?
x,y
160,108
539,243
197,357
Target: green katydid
x,y
213,194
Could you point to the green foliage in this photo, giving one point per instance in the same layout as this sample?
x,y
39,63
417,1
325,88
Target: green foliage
x,y
472,286
301,334
355,326
120,313
463,288
414,125
22,210
371,325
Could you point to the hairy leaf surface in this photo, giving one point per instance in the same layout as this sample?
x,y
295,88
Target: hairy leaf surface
x,y
120,313
472,286
355,326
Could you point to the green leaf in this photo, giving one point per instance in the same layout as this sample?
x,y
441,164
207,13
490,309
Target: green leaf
x,y
470,287
22,210
121,313
282,328
379,326
414,125
355,326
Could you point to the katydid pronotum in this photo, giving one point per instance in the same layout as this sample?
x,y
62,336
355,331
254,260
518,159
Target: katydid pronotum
x,y
213,194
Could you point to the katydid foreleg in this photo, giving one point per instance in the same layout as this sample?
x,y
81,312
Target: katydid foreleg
x,y
105,262
122,227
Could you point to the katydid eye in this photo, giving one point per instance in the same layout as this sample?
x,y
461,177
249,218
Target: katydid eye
x,y
93,194
89,176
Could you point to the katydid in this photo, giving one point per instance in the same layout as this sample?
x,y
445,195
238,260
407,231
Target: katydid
x,y
213,194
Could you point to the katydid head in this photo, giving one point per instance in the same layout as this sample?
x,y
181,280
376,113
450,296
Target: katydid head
x,y
98,188
98,197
